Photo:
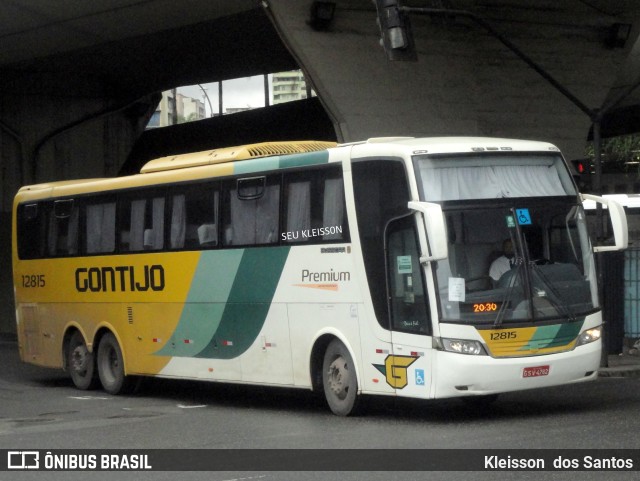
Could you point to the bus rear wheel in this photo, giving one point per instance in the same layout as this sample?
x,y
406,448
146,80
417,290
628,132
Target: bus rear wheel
x,y
111,366
339,379
81,363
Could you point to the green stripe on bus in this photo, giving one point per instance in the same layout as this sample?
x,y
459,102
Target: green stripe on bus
x,y
300,160
281,162
249,301
228,303
555,335
203,309
256,165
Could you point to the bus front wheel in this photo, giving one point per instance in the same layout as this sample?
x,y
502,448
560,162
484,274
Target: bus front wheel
x,y
339,379
80,363
111,366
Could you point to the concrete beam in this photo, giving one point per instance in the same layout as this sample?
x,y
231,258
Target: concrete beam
x,y
465,82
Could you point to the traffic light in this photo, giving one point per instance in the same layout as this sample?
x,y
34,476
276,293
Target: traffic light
x,y
582,174
395,29
581,166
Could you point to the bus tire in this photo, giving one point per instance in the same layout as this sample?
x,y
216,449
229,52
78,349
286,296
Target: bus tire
x,y
111,366
81,363
339,380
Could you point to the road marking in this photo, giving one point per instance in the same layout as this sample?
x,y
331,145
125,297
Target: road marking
x,y
245,479
88,398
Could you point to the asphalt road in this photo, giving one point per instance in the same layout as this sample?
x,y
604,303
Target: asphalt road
x,y
40,409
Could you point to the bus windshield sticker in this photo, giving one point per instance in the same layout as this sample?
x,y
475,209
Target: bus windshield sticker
x,y
404,265
524,218
456,289
511,223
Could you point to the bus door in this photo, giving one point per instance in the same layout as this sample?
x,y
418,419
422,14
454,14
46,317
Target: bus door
x,y
408,367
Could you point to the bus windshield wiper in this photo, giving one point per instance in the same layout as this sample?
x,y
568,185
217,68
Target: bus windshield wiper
x,y
554,298
514,273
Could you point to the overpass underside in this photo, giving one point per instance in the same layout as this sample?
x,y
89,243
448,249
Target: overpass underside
x,y
74,104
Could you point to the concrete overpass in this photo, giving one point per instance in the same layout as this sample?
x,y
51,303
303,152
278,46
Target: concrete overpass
x,y
78,79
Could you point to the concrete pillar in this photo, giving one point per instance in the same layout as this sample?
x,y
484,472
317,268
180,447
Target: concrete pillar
x,y
53,133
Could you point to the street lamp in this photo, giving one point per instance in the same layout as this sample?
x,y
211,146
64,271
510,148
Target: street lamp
x,y
204,91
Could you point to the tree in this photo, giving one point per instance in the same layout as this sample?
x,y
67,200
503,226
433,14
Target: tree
x,y
619,154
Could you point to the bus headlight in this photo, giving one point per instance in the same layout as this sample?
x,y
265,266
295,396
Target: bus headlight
x,y
590,335
462,346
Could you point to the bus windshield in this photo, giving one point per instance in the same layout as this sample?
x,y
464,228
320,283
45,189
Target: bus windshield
x,y
517,238
491,175
518,260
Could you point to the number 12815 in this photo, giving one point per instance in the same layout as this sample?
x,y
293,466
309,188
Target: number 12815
x,y
33,280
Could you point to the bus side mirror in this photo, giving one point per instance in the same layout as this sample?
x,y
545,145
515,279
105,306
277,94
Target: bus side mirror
x,y
435,227
618,223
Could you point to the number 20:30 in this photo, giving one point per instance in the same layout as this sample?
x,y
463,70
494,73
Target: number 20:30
x,y
33,280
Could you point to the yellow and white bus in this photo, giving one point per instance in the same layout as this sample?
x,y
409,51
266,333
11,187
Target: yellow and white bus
x,y
356,269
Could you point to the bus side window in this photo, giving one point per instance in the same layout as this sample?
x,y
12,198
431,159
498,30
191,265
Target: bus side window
x,y
63,228
194,217
381,193
100,227
178,222
142,223
32,231
314,207
298,199
408,305
252,211
333,217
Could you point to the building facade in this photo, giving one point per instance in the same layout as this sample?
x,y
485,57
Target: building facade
x,y
175,108
288,86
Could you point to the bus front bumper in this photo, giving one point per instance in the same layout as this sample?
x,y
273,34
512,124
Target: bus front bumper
x,y
469,375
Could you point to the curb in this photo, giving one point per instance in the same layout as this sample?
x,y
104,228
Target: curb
x,y
621,371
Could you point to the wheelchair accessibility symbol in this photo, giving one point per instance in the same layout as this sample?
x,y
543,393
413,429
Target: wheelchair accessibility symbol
x,y
419,377
523,216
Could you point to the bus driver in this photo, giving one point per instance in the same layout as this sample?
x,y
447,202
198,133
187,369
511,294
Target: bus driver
x,y
503,263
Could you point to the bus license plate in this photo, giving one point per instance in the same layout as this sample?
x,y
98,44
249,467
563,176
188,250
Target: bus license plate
x,y
535,371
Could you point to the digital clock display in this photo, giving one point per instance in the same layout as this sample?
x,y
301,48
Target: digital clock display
x,y
480,307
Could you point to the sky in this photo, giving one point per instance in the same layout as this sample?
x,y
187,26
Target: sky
x,y
237,93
